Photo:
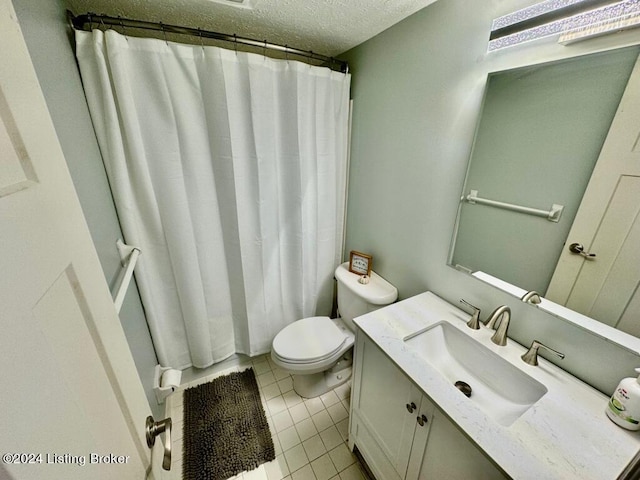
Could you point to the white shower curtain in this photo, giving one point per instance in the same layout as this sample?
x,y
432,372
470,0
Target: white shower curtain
x,y
228,170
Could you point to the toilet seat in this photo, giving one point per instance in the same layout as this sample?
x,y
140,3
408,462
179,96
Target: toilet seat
x,y
309,340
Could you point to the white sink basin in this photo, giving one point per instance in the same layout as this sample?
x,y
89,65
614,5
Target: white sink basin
x,y
500,389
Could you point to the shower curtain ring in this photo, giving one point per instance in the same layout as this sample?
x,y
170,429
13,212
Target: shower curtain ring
x,y
235,44
286,53
90,15
200,35
164,33
124,30
102,24
264,50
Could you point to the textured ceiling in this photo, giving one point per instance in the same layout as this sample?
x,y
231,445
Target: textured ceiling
x,y
328,27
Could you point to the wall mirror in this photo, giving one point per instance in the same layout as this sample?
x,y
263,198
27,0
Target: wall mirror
x,y
558,146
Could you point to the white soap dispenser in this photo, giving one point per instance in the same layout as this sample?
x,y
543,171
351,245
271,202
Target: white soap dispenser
x,y
624,406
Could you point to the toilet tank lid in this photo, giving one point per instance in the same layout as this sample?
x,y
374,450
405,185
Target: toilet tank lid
x,y
377,292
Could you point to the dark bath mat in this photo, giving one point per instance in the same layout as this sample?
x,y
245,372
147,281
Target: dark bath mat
x,y
225,428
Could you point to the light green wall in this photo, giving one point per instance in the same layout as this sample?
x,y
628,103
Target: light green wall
x,y
540,134
417,90
45,29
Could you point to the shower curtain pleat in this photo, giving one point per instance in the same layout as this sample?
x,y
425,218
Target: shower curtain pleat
x,y
228,170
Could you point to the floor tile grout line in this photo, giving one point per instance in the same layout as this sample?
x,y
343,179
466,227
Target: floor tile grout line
x,y
262,366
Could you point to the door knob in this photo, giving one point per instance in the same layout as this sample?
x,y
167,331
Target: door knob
x,y
578,249
154,429
411,407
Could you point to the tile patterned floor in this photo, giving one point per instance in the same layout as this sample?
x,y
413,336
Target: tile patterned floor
x,y
309,435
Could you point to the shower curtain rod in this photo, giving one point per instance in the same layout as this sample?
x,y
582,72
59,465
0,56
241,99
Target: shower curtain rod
x,y
85,22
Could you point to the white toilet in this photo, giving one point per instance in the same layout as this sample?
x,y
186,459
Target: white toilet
x,y
317,350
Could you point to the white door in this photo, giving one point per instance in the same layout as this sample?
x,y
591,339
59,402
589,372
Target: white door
x,y
607,224
70,393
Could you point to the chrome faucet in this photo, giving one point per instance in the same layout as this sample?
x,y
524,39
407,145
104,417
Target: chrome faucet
x,y
531,297
502,314
531,355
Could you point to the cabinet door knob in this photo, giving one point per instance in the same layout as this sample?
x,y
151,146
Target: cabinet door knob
x,y
422,419
411,407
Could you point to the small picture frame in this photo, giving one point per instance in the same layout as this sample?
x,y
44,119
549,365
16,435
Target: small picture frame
x,y
360,263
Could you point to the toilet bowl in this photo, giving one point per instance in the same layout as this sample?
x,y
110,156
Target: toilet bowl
x,y
317,351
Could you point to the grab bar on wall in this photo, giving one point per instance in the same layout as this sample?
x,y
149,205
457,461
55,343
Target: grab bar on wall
x,y
553,215
128,256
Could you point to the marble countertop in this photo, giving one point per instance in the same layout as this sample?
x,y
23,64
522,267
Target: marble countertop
x,y
564,435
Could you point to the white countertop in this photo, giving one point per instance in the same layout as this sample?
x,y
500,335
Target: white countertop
x,y
564,435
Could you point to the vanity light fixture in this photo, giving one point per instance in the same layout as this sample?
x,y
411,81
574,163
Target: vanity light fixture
x,y
604,27
573,19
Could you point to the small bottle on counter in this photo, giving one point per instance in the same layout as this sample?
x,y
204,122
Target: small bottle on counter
x,y
624,405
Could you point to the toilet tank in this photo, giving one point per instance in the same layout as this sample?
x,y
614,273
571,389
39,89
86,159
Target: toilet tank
x,y
355,298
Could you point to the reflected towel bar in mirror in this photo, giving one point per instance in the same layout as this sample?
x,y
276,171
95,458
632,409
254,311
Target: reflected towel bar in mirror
x,y
553,215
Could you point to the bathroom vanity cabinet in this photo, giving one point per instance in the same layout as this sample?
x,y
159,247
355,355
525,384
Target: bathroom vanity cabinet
x,y
400,432
516,423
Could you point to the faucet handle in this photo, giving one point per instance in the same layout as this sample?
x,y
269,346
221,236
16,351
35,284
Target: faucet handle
x,y
531,297
474,321
531,355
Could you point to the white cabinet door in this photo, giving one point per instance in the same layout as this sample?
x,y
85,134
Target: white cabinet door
x,y
400,432
386,405
424,420
449,455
